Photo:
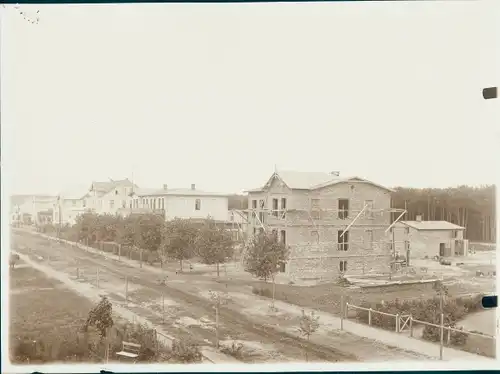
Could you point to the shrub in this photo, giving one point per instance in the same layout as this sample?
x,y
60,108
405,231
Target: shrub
x,y
185,352
235,350
424,310
265,292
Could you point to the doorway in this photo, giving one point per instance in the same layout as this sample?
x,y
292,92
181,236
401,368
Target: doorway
x,y
441,249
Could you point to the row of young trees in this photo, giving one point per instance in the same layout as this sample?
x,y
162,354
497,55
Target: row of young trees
x,y
470,207
181,240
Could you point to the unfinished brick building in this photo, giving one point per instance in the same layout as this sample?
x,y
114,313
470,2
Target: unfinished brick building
x,y
332,225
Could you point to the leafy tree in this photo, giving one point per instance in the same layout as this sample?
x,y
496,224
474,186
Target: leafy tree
x,y
179,238
309,324
101,318
214,244
264,256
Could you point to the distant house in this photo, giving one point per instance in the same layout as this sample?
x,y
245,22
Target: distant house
x,y
109,197
435,238
179,203
69,205
25,208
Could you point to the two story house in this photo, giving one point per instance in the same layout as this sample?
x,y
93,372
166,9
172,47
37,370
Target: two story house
x,y
332,225
109,197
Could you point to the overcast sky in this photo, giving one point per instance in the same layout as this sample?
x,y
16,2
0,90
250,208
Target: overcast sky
x,y
218,94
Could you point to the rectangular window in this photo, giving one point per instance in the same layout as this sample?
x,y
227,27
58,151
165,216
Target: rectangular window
x,y
131,204
124,204
262,204
197,204
254,230
343,266
283,207
282,267
261,217
254,204
283,236
275,207
369,239
342,241
343,208
111,204
369,209
315,236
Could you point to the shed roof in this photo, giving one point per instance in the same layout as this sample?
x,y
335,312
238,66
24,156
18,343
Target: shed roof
x,y
176,192
432,225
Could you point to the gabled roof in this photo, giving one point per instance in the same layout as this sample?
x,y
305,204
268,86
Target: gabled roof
x,y
104,187
300,180
432,225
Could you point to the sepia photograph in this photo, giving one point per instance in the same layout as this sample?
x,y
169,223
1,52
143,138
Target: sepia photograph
x,y
249,184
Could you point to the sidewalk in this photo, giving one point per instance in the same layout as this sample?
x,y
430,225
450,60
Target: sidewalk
x,y
330,321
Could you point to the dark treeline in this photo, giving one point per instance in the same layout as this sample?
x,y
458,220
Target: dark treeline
x,y
470,207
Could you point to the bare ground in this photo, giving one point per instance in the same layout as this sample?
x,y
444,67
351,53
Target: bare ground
x,y
184,305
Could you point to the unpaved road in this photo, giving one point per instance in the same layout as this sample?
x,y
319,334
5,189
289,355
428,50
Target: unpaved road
x,y
185,305
195,306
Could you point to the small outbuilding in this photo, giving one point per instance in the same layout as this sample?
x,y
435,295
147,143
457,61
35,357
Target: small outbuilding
x,y
435,238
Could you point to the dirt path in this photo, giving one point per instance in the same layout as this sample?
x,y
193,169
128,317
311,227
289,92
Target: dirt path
x,y
188,307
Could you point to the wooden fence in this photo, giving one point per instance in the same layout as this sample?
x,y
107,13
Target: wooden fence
x,y
406,322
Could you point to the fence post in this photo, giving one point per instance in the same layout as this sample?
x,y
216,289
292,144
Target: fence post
x,y
397,322
441,337
370,317
97,277
162,308
342,312
411,325
126,290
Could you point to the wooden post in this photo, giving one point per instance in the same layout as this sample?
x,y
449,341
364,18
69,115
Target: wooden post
x,y
370,317
397,322
217,325
126,290
274,290
97,277
342,312
449,337
441,337
411,326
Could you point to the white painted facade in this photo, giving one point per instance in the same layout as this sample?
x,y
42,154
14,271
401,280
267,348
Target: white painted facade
x,y
182,203
67,210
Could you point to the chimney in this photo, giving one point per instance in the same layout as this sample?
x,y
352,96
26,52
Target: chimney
x,y
418,218
165,187
193,186
336,173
